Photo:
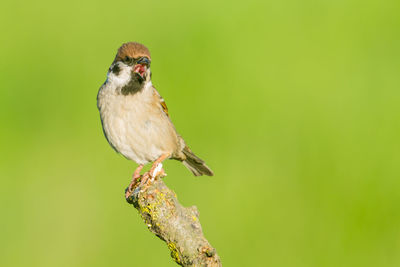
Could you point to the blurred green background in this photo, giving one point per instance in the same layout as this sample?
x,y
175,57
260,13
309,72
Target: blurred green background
x,y
294,104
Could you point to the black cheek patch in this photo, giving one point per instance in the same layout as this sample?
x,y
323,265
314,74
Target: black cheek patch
x,y
116,69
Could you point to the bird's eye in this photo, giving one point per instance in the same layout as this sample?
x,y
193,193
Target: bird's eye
x,y
127,59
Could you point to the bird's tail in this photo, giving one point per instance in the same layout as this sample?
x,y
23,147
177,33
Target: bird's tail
x,y
196,165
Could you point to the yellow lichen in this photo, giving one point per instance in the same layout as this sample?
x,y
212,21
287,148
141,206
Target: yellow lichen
x,y
145,209
174,252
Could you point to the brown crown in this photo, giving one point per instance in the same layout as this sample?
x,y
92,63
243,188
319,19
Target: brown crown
x,y
133,50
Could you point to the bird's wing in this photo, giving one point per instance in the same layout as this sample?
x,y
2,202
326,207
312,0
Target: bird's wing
x,y
161,102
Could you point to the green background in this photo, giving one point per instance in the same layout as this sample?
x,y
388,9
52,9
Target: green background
x,y
294,104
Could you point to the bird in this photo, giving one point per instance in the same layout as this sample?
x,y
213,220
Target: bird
x,y
135,118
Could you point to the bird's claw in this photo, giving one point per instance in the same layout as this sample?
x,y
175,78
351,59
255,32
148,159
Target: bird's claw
x,y
156,171
144,179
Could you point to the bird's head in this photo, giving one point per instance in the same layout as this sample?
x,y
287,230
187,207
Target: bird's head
x,y
131,66
135,57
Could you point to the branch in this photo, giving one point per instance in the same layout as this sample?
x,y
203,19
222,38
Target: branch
x,y
178,226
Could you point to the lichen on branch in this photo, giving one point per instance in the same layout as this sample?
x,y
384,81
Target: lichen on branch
x,y
178,226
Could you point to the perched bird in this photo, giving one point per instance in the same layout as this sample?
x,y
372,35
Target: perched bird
x,y
135,117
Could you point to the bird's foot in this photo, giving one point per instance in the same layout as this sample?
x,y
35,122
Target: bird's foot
x,y
136,177
145,179
136,185
129,189
150,176
162,173
155,170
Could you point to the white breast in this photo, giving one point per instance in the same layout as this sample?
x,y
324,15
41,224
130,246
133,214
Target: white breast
x,y
133,124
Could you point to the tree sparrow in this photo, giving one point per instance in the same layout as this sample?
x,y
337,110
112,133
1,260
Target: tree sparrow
x,y
135,117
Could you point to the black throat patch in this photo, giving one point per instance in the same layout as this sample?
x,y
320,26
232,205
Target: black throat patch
x,y
136,84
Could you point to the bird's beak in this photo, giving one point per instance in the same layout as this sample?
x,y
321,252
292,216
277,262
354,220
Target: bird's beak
x,y
144,61
141,67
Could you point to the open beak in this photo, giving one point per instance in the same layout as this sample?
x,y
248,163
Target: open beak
x,y
141,67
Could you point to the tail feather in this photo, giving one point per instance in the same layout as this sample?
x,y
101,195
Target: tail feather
x,y
196,165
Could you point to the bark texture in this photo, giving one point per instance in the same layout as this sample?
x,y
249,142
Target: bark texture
x,y
178,226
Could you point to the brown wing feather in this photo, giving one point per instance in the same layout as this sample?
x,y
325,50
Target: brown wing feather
x,y
162,102
164,106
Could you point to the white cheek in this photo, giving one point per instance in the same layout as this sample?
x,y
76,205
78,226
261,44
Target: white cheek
x,y
122,78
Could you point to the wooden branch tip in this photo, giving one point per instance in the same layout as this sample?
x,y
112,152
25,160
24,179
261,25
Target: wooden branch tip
x,y
178,226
